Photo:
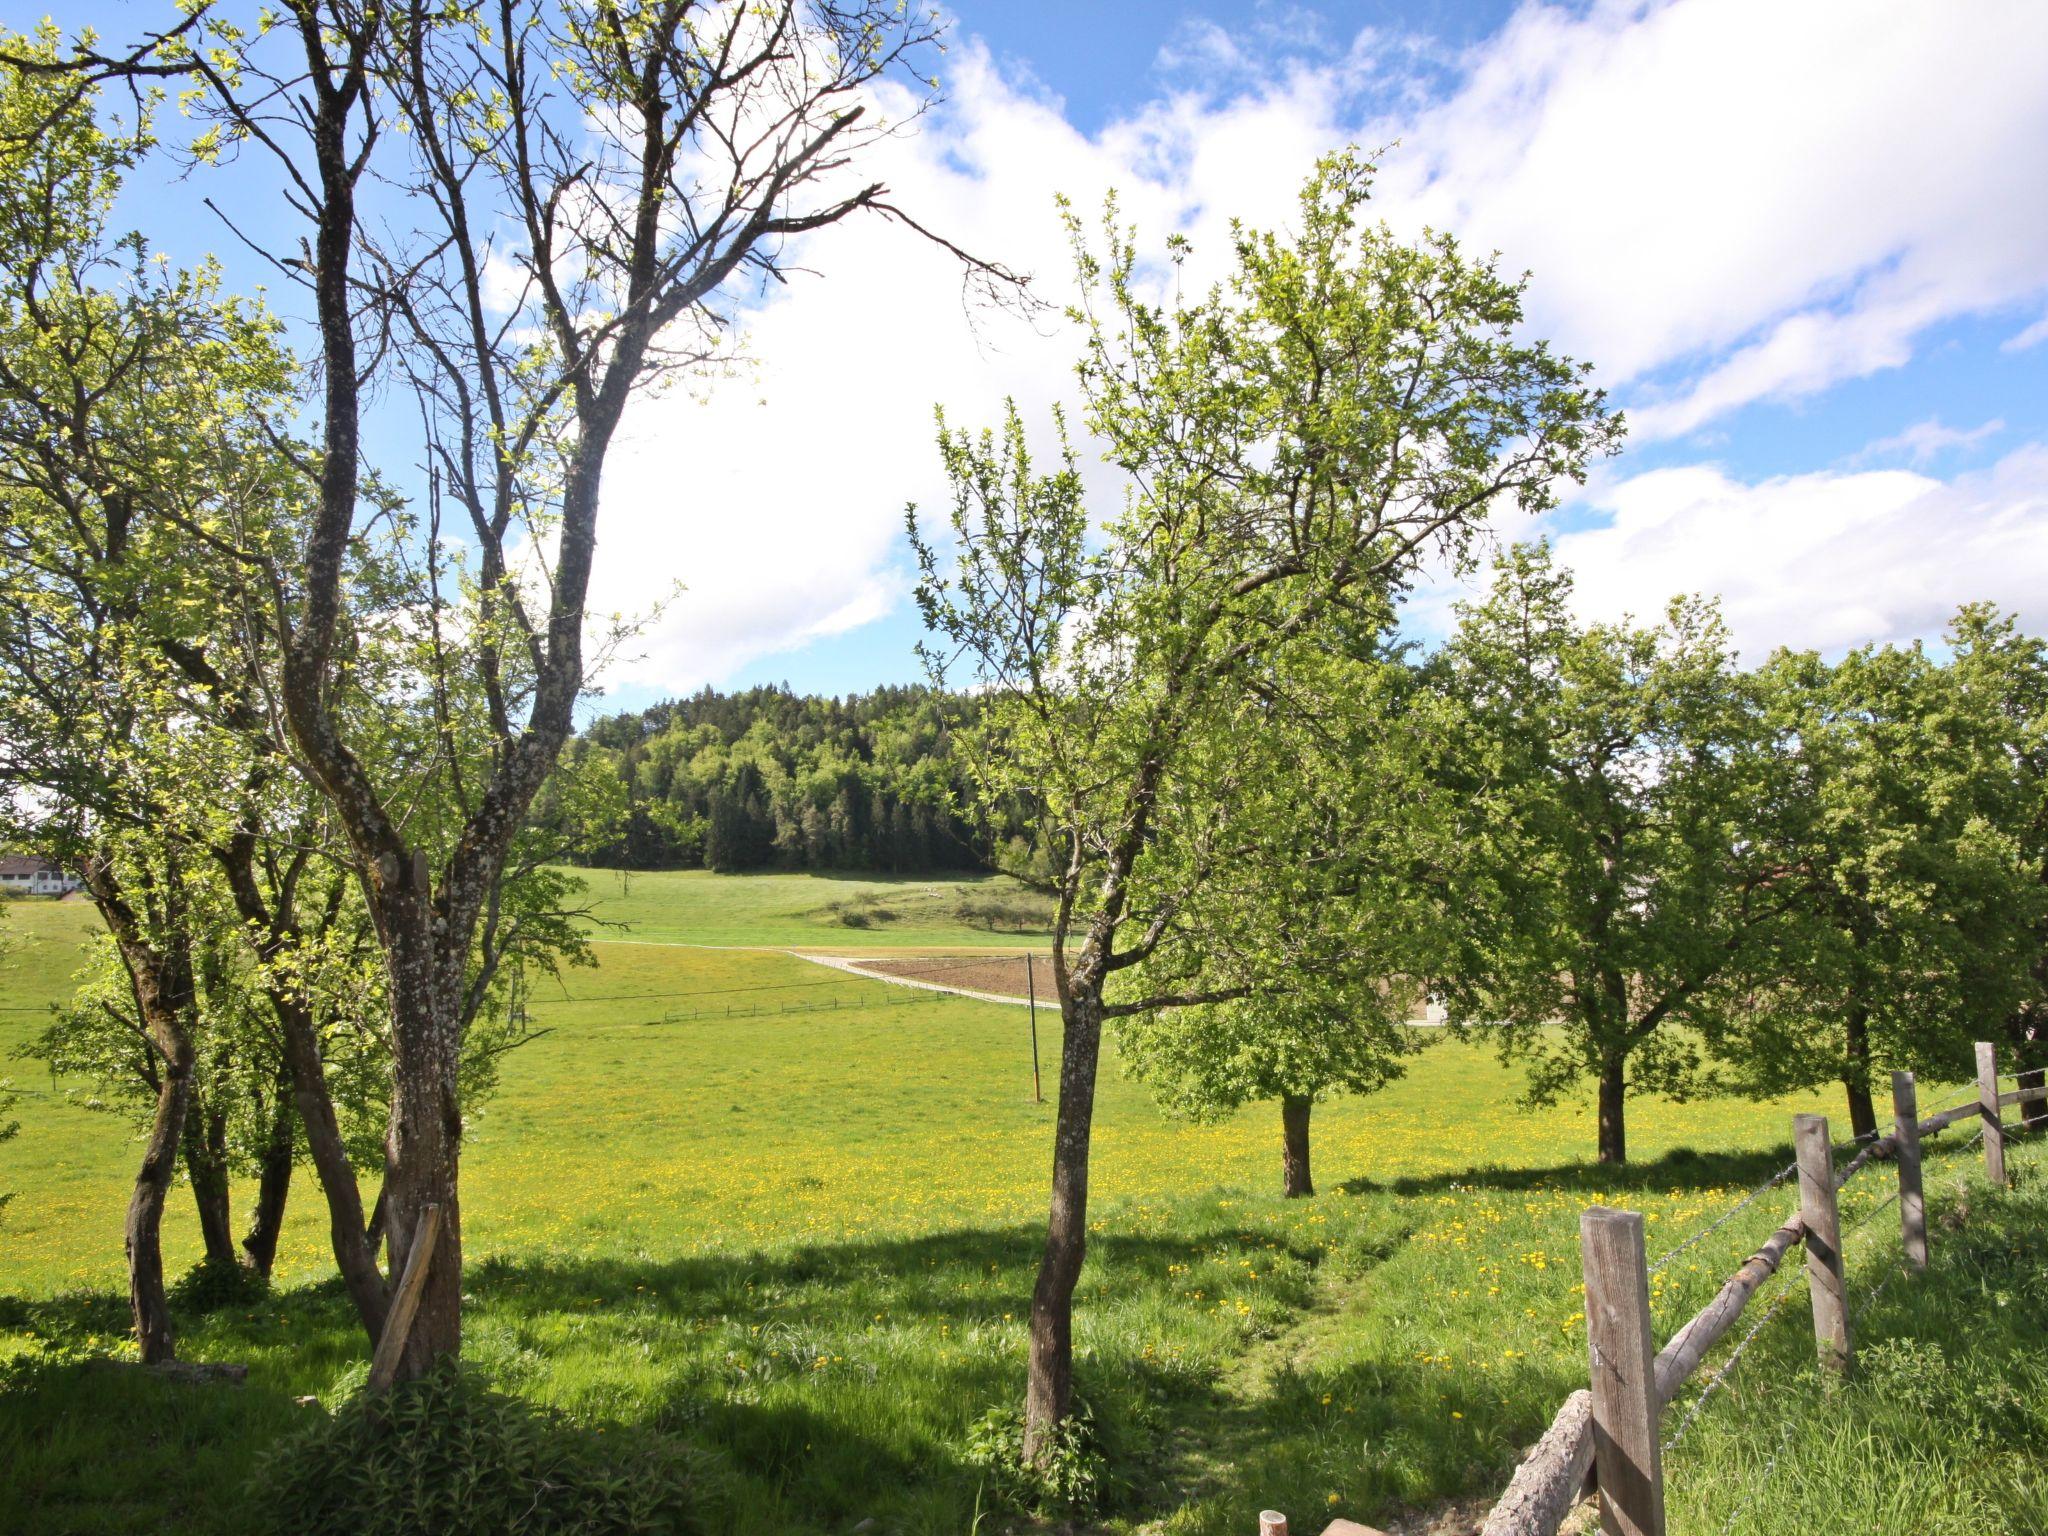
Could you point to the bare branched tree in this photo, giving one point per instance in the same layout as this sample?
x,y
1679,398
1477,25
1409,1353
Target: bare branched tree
x,y
523,212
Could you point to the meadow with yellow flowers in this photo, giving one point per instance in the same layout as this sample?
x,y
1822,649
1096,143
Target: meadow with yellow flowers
x,y
788,1219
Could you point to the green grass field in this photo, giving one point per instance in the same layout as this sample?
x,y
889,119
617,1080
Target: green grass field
x,y
692,906
801,1238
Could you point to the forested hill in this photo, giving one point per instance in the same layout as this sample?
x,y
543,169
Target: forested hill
x,y
770,779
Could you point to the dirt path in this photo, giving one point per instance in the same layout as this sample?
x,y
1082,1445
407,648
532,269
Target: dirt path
x,y
987,978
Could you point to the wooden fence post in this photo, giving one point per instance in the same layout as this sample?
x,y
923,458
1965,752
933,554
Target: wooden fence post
x,y
1912,1202
1627,1450
1987,1106
1824,1281
1272,1523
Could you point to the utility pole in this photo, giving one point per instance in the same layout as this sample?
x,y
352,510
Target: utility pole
x,y
1031,992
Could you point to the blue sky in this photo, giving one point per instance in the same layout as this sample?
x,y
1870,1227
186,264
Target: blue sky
x,y
1805,248
1801,255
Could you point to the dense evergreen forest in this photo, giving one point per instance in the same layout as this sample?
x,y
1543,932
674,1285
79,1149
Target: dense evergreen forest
x,y
770,779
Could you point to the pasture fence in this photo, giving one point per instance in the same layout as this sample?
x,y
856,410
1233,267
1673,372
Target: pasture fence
x,y
1607,1437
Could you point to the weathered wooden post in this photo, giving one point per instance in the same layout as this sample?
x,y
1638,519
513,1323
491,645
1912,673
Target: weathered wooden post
x,y
405,1301
1824,1281
1621,1351
1987,1106
1912,1202
1272,1523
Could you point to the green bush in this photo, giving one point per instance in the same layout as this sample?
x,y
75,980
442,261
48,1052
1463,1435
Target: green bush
x,y
212,1285
449,1455
1070,1479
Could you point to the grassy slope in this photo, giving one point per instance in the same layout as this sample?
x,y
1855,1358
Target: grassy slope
x,y
805,1238
804,911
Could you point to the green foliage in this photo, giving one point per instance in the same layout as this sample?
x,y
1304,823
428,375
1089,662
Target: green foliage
x,y
449,1454
212,1285
1922,900
766,779
1296,440
1624,873
1069,1477
1326,942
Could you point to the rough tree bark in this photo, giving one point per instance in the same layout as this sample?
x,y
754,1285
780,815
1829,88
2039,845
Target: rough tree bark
x,y
1614,1110
1295,1180
1856,1081
1049,1390
311,1101
205,1137
274,1178
165,992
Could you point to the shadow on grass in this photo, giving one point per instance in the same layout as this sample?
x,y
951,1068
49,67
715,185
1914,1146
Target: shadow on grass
x,y
1682,1168
814,1412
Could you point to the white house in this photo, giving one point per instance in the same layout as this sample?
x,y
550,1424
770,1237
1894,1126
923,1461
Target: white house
x,y
25,875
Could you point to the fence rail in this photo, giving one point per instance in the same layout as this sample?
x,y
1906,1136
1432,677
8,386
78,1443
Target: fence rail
x,y
1607,1437
1610,1433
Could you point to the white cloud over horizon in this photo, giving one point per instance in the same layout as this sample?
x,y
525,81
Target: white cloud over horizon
x,y
1820,561
1722,201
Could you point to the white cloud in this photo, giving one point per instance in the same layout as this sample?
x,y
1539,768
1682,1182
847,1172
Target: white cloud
x,y
2032,336
1721,200
1823,560
1925,441
1810,183
777,499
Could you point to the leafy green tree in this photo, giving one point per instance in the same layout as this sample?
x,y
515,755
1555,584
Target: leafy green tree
x,y
1921,912
633,166
1997,698
129,393
1294,441
1626,879
1328,938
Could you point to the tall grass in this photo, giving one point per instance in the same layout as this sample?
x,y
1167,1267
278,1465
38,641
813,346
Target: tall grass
x,y
804,1241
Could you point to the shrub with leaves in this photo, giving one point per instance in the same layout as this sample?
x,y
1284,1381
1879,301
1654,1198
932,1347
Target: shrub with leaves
x,y
450,1455
1069,1477
212,1285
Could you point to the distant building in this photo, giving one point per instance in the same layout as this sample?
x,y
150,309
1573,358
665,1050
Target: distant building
x,y
26,875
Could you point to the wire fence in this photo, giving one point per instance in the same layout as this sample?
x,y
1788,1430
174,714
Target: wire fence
x,y
1626,1412
1727,1216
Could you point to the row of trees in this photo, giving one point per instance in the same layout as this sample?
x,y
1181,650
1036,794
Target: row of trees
x,y
765,778
287,672
299,717
1271,826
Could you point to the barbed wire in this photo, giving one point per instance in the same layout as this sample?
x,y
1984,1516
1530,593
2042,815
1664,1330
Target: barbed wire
x,y
1729,1215
1888,1200
1719,1376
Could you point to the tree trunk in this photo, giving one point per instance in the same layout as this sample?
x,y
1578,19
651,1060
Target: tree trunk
x,y
423,1144
353,1254
206,1165
161,980
2034,1112
1613,1110
274,1182
1862,1113
1049,1392
1294,1174
143,1240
